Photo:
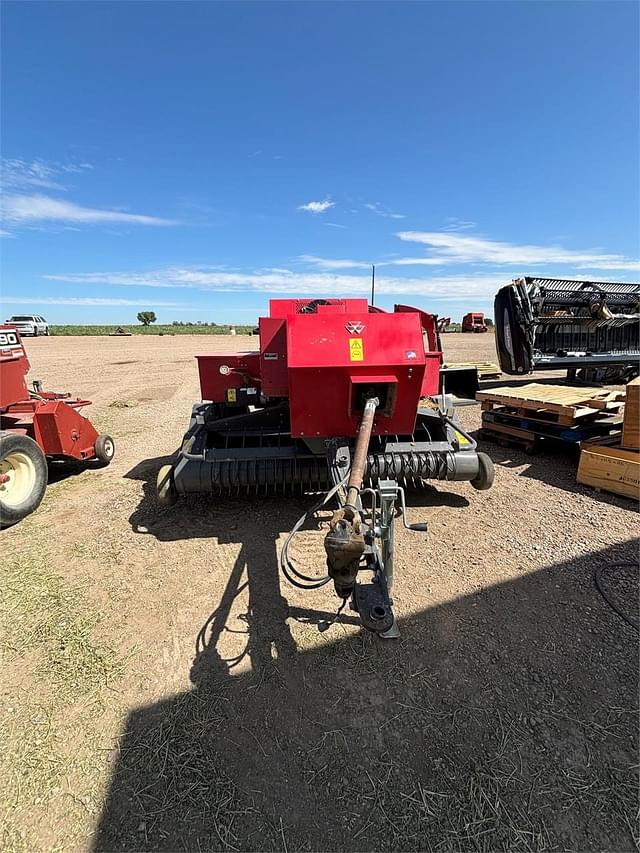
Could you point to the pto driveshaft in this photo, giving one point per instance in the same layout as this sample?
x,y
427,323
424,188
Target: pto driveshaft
x,y
344,542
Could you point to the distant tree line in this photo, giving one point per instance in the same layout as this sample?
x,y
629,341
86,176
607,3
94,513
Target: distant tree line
x,y
189,323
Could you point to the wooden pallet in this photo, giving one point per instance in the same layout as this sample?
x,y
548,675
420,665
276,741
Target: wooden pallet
x,y
631,429
564,403
605,465
503,435
486,369
574,432
540,415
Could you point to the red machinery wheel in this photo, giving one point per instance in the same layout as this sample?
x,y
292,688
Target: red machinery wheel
x,y
23,477
105,448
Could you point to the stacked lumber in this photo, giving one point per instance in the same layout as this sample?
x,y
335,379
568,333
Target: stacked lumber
x,y
605,464
533,413
486,369
631,422
613,463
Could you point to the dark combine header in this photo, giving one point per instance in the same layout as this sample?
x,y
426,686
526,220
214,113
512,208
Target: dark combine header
x,y
556,323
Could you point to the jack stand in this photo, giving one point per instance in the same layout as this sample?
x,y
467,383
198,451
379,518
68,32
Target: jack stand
x,y
388,496
393,633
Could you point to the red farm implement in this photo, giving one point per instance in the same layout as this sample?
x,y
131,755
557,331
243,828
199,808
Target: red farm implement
x,y
36,426
474,322
331,402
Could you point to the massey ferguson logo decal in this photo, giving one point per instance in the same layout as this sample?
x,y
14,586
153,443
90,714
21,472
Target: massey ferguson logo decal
x,y
355,328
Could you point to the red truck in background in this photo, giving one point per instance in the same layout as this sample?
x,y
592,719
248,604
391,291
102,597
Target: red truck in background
x,y
474,322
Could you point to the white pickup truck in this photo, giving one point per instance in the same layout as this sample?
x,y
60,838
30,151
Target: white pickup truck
x,y
29,324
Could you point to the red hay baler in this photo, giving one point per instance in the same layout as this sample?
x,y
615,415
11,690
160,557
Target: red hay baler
x,y
331,402
36,426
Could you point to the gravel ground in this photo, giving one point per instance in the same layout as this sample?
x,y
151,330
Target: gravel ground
x,y
503,718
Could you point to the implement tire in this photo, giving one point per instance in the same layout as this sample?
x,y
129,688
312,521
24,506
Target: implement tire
x,y
105,448
165,488
486,473
23,477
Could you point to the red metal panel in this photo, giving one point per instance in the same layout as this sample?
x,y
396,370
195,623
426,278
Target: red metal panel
x,y
326,351
286,307
14,366
431,380
428,323
273,357
231,370
433,354
61,430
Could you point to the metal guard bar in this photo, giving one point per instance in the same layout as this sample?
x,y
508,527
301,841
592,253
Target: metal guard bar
x,y
288,474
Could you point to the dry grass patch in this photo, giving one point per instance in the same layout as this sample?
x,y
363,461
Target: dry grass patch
x,y
56,670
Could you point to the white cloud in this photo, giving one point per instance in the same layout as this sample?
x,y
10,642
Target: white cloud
x,y
317,206
20,174
334,225
24,207
416,262
76,168
334,263
20,209
381,210
453,248
85,300
287,281
346,263
455,224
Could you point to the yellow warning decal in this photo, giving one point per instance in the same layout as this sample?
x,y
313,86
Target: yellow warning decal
x,y
462,439
356,349
231,395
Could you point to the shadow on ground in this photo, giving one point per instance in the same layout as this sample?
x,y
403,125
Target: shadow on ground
x,y
63,470
192,517
501,720
556,465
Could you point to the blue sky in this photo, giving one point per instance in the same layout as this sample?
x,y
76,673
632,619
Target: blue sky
x,y
197,158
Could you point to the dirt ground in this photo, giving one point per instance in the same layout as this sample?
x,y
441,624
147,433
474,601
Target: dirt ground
x,y
165,689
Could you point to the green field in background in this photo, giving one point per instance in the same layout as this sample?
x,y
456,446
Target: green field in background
x,y
155,329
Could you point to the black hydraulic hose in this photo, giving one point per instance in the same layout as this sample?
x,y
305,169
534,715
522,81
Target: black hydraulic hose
x,y
287,567
597,579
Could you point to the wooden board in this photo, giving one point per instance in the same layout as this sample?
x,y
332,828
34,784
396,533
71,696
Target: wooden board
x,y
556,398
611,400
520,439
631,423
574,433
504,429
611,468
486,369
548,415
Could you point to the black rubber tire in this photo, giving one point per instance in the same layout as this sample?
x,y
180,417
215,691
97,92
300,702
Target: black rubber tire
x,y
105,448
29,459
486,473
35,332
165,488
